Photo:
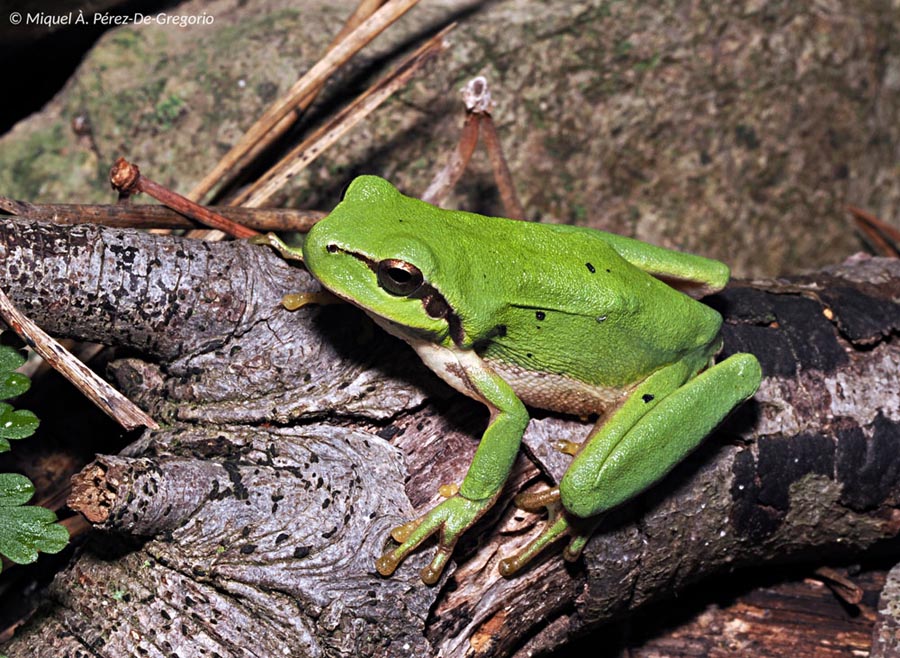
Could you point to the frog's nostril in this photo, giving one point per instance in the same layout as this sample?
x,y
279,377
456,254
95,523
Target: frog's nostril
x,y
331,248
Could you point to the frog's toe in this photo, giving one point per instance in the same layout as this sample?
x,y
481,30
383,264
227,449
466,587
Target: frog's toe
x,y
387,564
538,500
576,545
567,447
409,536
555,528
509,566
403,532
432,573
272,240
260,239
450,519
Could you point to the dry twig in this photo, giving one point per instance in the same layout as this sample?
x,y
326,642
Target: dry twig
x,y
127,179
261,132
841,585
113,403
325,136
153,216
363,11
450,173
502,175
883,236
477,98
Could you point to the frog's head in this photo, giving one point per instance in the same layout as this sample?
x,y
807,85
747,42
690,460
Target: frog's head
x,y
376,250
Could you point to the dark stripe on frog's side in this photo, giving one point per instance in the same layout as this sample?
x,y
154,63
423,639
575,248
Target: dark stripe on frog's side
x,y
437,307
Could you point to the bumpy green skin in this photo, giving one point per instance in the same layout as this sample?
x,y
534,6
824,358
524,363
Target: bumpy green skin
x,y
561,317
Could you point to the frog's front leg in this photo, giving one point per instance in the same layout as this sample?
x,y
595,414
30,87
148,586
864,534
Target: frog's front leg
x,y
287,252
663,419
294,300
488,471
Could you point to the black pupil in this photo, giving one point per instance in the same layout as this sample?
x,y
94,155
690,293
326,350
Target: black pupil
x,y
397,279
399,276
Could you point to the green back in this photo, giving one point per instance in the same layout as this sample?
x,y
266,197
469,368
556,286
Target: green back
x,y
550,298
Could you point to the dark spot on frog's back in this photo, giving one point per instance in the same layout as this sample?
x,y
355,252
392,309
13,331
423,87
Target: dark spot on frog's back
x,y
590,267
540,315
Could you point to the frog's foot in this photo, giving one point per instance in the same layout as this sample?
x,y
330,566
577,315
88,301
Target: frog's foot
x,y
288,253
451,518
567,447
559,524
294,300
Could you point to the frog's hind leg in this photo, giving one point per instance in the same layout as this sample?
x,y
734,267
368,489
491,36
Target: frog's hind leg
x,y
663,419
631,451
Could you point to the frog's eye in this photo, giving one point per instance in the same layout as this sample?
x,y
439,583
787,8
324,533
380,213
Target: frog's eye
x,y
399,277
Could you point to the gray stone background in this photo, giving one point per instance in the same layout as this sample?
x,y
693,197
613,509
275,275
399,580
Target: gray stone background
x,y
739,130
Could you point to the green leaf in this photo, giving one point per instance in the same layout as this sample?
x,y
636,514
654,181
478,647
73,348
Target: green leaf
x,y
16,424
15,490
10,359
11,383
26,530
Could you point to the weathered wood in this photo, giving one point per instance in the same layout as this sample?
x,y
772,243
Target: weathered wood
x,y
260,505
765,614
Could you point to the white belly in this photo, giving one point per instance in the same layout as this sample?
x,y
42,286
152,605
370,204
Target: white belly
x,y
536,389
556,392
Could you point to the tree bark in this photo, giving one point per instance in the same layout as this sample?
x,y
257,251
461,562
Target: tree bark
x,y
291,443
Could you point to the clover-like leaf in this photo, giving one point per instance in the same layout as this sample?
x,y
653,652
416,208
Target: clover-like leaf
x,y
10,359
15,424
26,530
15,490
11,383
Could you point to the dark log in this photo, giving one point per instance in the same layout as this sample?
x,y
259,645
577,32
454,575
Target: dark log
x,y
256,512
764,613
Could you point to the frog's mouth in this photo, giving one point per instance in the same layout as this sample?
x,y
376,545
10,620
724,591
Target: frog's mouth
x,y
401,279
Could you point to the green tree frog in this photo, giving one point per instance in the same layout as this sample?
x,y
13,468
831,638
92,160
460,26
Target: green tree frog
x,y
517,314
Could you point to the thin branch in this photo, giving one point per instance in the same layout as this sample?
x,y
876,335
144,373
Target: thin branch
x,y
450,173
363,11
477,98
502,175
14,207
148,216
841,585
884,236
110,401
127,179
259,132
345,120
